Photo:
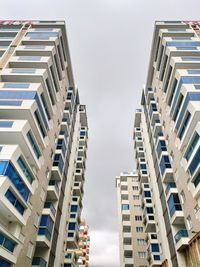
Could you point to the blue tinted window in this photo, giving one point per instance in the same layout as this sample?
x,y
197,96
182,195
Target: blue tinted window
x,y
33,144
161,147
164,164
186,48
25,169
17,94
31,58
192,146
197,180
13,200
58,161
7,169
181,38
23,70
156,257
74,208
46,226
10,103
125,206
38,261
193,71
155,248
4,263
192,96
176,30
34,46
16,85
185,44
72,226
185,123
190,58
174,204
7,243
147,194
195,162
6,124
41,35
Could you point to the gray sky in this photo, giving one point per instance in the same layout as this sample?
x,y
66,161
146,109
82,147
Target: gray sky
x,y
110,43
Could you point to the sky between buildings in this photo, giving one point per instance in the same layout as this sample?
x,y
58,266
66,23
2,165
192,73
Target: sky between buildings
x,y
110,42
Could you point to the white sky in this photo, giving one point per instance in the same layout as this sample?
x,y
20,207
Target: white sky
x,y
110,42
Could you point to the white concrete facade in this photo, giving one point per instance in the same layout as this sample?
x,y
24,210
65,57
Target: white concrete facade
x,y
43,144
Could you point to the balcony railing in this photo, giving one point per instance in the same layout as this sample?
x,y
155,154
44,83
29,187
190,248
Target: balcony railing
x,y
181,233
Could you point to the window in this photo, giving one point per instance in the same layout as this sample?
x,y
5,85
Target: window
x,y
74,208
29,58
16,85
194,163
25,169
180,100
190,58
196,208
164,164
125,206
41,35
33,144
45,106
142,255
13,200
10,103
58,161
149,210
191,148
185,123
39,124
135,188
174,204
72,226
30,250
161,147
147,194
155,248
136,197
36,219
7,243
7,169
156,257
4,263
46,226
34,47
139,229
138,218
141,242
23,70
6,124
196,180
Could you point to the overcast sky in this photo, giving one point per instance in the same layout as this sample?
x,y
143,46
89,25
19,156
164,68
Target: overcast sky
x,y
110,43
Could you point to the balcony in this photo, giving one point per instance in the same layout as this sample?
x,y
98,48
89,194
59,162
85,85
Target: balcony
x,y
143,177
154,260
138,113
149,222
79,175
57,168
53,190
80,163
170,189
39,262
82,151
175,210
181,238
138,142
139,152
78,189
72,239
83,141
166,169
49,209
137,132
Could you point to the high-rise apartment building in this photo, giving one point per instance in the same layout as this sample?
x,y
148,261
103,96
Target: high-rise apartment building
x,y
43,143
167,145
132,236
